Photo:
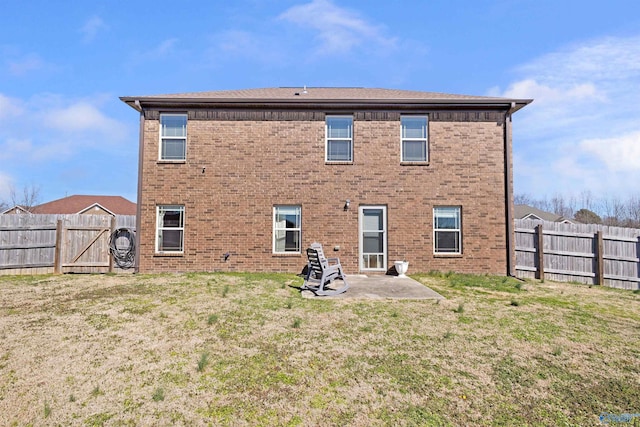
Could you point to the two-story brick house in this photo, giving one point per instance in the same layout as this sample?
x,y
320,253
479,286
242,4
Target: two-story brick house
x,y
245,180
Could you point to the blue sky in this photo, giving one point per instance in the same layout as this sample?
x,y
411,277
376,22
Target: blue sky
x,y
62,69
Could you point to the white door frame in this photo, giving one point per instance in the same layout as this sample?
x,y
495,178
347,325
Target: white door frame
x,y
384,254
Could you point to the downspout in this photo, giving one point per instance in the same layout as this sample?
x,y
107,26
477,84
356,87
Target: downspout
x,y
139,198
508,191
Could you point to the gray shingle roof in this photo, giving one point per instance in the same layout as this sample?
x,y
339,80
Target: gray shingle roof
x,y
524,212
280,95
343,93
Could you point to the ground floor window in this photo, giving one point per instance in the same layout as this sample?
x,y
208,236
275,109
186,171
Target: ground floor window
x,y
286,229
170,228
447,233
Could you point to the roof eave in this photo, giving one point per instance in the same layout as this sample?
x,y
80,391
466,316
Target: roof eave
x,y
139,103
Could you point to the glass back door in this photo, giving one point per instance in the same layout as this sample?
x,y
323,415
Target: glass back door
x,y
373,238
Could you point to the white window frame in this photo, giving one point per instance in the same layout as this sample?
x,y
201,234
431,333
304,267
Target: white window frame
x,y
280,232
457,230
160,227
424,140
328,139
164,138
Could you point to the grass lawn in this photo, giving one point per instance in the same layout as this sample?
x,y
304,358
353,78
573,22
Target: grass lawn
x,y
247,349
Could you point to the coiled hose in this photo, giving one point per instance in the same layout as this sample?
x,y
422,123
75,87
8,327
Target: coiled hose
x,y
123,255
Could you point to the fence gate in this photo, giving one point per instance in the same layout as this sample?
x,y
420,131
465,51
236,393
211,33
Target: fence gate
x,y
85,247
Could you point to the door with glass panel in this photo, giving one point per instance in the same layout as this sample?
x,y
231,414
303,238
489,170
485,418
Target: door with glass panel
x,y
373,238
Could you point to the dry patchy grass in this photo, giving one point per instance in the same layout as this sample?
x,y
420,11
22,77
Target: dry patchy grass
x,y
246,349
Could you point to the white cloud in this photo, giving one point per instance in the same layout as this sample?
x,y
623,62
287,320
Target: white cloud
x,y
6,184
546,94
26,64
260,48
238,41
54,130
302,37
161,51
24,150
14,147
620,153
582,131
608,58
9,107
78,117
339,30
91,28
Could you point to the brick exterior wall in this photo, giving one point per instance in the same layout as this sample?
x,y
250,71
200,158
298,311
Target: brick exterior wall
x,y
255,161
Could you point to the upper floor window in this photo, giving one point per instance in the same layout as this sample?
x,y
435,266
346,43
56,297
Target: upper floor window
x,y
447,233
339,134
170,228
414,139
286,229
173,136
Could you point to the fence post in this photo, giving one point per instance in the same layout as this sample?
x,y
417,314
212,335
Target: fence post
x,y
540,236
599,258
113,228
637,255
57,254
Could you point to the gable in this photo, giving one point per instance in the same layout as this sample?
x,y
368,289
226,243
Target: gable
x,y
533,217
96,209
15,210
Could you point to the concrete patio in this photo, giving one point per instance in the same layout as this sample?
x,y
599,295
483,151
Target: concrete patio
x,y
381,287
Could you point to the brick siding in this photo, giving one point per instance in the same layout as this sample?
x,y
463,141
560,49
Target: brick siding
x,y
252,165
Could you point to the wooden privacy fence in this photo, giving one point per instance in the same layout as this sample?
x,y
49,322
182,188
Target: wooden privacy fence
x,y
40,244
586,253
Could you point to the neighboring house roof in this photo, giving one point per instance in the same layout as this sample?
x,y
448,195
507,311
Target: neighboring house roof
x,y
17,209
529,212
115,205
322,95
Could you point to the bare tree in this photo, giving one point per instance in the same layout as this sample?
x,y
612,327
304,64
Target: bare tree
x,y
608,211
613,210
562,206
543,204
27,198
523,199
587,201
633,211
